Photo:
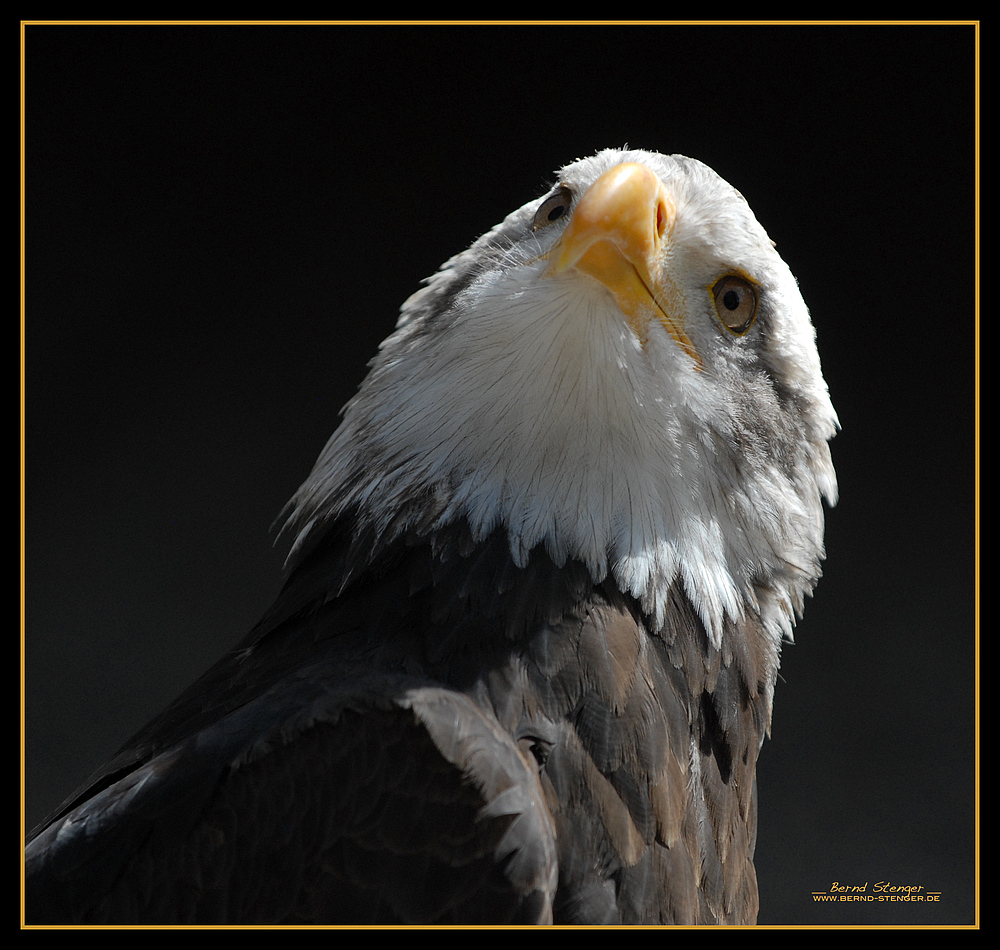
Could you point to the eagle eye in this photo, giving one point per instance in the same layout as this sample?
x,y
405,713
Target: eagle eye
x,y
735,303
552,208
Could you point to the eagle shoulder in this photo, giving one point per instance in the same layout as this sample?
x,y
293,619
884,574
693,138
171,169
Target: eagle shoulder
x,y
458,754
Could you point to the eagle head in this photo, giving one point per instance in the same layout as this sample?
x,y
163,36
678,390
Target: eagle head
x,y
623,372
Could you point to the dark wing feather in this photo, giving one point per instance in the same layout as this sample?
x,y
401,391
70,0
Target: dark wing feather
x,y
430,734
397,803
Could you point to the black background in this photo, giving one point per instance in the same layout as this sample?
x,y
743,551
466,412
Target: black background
x,y
221,223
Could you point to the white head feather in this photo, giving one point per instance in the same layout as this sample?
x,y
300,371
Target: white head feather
x,y
526,401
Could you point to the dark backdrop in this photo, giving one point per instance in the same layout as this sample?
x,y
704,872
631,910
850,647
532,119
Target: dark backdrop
x,y
221,223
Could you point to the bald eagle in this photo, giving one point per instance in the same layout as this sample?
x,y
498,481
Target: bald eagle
x,y
523,661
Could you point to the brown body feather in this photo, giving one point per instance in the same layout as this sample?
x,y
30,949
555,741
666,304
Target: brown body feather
x,y
488,744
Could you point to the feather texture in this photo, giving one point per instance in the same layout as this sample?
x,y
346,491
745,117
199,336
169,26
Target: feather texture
x,y
338,765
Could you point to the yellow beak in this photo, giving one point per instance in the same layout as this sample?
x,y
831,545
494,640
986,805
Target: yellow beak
x,y
618,234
